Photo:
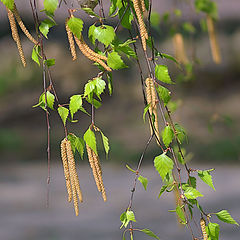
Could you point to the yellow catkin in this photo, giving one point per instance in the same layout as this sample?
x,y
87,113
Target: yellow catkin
x,y
142,4
152,100
22,26
203,228
180,52
16,37
142,27
213,41
66,169
89,56
71,42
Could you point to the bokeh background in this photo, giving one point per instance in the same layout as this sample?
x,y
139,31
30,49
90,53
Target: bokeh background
x,y
207,105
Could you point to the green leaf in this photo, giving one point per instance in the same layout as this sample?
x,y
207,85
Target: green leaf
x,y
191,193
99,86
150,233
164,94
126,17
169,57
49,62
89,88
63,112
167,135
192,181
180,213
225,216
90,12
90,139
45,26
181,133
115,61
145,111
75,104
207,6
36,54
123,219
50,99
155,20
104,34
126,217
130,169
77,143
105,143
75,25
162,74
130,216
144,181
213,230
8,3
110,83
163,165
113,7
189,28
206,177
163,189
50,6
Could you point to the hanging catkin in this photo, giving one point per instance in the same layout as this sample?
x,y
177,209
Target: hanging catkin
x,y
213,41
152,100
71,41
203,228
16,37
180,52
22,26
142,27
97,171
142,4
66,169
82,46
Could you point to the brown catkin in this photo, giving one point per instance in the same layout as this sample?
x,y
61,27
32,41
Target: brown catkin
x,y
203,228
66,169
71,41
213,41
82,48
152,100
142,4
180,52
22,26
142,27
16,37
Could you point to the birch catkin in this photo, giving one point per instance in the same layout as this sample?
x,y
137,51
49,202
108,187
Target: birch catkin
x,y
15,36
152,100
82,47
180,52
71,41
203,228
213,41
66,169
22,26
142,4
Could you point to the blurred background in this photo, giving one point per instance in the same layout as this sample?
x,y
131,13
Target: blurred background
x,y
205,102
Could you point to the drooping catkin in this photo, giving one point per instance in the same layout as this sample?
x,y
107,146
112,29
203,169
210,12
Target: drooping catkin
x,y
22,26
152,100
213,41
142,4
203,228
180,52
72,168
84,51
66,169
15,36
142,27
71,41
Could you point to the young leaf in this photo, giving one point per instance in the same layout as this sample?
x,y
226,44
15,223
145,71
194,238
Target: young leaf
x,y
123,219
75,104
36,55
50,6
130,216
144,181
115,61
213,231
90,139
77,143
150,233
162,74
130,169
75,25
89,88
181,215
45,26
105,143
145,111
169,57
192,181
90,12
8,3
49,62
163,165
63,112
50,99
164,94
163,189
225,216
110,84
206,177
126,17
100,86
167,135
104,34
192,193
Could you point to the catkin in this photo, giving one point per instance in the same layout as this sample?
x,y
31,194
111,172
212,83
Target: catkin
x,y
203,228
91,57
152,100
66,169
71,42
16,37
142,27
142,4
213,41
180,52
22,26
